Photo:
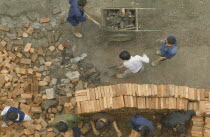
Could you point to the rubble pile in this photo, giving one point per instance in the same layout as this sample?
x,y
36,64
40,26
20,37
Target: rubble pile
x,y
39,75
123,19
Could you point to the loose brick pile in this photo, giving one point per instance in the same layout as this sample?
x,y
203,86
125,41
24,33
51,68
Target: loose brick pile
x,y
198,126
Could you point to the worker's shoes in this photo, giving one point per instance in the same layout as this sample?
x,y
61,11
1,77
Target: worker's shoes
x,y
158,52
155,63
77,34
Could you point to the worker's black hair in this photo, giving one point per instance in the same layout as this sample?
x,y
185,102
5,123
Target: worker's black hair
x,y
12,115
145,131
171,40
62,126
181,129
100,124
82,2
125,55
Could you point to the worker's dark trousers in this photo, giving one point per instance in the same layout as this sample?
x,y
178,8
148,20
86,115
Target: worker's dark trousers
x,y
77,132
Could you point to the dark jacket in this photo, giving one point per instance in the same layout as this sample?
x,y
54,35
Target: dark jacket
x,y
168,51
75,15
176,118
137,121
21,114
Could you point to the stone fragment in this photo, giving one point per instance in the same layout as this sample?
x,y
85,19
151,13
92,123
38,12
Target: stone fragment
x,y
51,48
36,110
43,83
54,81
9,46
3,43
25,61
18,42
77,59
12,36
46,104
41,68
31,50
41,60
30,30
56,11
27,47
79,86
26,96
66,45
40,51
25,108
44,20
34,57
50,93
4,28
73,75
31,17
26,24
48,64
25,35
60,47
65,81
19,55
30,71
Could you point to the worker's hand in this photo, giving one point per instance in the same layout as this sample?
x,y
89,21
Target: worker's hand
x,y
96,132
89,18
119,134
144,54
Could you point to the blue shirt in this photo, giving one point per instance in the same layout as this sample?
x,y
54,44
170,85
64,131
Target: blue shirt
x,y
138,121
76,13
168,51
21,114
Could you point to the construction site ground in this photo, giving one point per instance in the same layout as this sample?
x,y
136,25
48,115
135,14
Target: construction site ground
x,y
187,19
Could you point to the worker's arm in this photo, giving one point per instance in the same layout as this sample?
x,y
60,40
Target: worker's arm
x,y
134,134
119,134
144,58
94,128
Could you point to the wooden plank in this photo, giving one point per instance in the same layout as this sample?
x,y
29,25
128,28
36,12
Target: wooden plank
x,y
176,91
172,90
134,89
101,104
81,98
202,95
198,94
92,94
141,102
147,103
88,94
191,95
95,91
139,91
154,88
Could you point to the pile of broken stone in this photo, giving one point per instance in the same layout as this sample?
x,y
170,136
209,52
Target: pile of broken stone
x,y
29,77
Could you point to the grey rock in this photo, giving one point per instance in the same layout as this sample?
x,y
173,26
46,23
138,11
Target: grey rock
x,y
69,94
39,43
74,66
41,68
18,42
54,81
41,60
65,81
93,70
77,59
9,46
50,93
49,103
31,17
48,27
73,75
79,85
56,131
12,36
56,11
56,36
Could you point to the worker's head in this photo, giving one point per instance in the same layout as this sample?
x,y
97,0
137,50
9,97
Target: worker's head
x,y
100,124
171,40
62,126
12,115
144,131
181,129
125,55
82,3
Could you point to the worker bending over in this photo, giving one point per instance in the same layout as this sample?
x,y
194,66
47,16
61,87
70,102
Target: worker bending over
x,y
99,120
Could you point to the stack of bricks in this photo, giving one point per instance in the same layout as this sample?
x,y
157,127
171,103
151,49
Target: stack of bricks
x,y
198,126
207,127
146,96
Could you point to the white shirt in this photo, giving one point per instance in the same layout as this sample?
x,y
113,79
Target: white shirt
x,y
134,64
26,118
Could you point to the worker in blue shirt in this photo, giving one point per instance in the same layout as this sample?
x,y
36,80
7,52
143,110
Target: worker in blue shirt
x,y
167,50
140,125
76,15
